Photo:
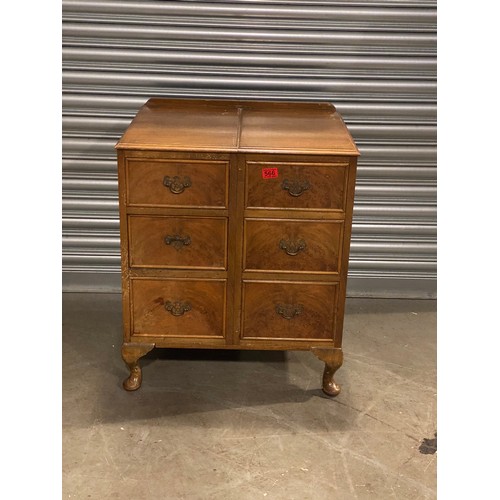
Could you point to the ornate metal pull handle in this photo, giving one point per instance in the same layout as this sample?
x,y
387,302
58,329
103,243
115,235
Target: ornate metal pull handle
x,y
289,311
177,308
292,247
177,241
176,184
295,188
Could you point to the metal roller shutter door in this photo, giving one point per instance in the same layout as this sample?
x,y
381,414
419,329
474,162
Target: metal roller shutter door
x,y
375,60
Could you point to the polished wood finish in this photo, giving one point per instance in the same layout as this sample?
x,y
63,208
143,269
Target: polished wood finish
x,y
178,308
183,124
238,126
291,245
192,183
131,353
289,310
298,185
235,224
333,359
301,128
177,242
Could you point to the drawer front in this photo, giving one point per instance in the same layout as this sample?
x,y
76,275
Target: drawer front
x,y
313,186
295,246
285,310
177,242
178,308
169,183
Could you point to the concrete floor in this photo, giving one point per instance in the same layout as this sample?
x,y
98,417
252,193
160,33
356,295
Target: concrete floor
x,y
250,425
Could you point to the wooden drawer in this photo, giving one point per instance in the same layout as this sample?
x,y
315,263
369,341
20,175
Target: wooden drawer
x,y
173,183
293,245
314,186
289,310
177,242
178,308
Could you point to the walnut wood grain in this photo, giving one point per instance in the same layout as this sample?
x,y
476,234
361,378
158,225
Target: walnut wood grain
x,y
235,237
298,185
215,256
177,242
183,124
147,183
345,252
295,246
230,126
125,282
289,310
205,317
280,127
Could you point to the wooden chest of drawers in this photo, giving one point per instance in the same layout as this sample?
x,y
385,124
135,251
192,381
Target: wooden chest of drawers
x,y
235,223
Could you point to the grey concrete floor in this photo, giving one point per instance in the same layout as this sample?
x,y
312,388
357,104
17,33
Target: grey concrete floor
x,y
251,425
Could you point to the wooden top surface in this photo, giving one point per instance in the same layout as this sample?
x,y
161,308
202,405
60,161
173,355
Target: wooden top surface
x,y
232,126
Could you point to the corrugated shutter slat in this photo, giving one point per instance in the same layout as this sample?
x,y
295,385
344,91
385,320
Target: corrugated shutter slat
x,y
375,60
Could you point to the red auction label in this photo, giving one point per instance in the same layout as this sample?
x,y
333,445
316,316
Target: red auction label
x,y
269,173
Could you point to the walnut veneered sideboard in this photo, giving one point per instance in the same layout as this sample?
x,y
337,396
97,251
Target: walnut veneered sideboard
x,y
235,225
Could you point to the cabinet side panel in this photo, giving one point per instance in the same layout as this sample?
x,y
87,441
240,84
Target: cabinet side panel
x,y
122,193
351,184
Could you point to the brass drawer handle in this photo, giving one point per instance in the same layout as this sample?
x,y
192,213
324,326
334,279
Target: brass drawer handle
x,y
292,247
176,184
177,241
295,188
289,311
177,308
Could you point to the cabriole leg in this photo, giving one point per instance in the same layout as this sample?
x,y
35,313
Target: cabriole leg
x,y
333,359
131,353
